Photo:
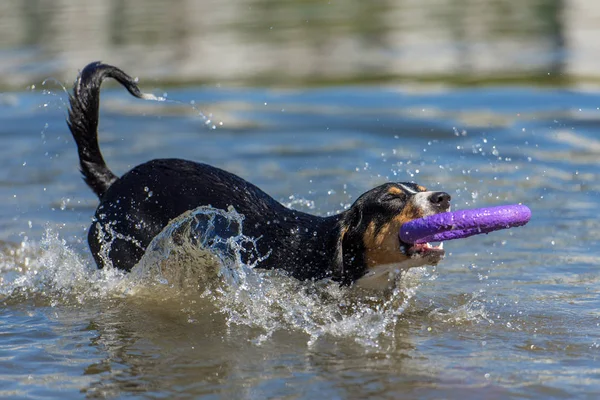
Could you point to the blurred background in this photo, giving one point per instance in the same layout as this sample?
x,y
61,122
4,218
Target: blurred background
x,y
274,42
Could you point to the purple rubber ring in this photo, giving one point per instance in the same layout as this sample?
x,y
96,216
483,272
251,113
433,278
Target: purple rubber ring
x,y
463,223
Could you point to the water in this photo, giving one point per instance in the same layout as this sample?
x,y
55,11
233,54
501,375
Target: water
x,y
509,314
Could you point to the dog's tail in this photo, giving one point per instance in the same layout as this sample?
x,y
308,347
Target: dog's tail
x,y
83,121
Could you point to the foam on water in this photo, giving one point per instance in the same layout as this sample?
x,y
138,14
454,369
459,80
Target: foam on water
x,y
52,271
201,253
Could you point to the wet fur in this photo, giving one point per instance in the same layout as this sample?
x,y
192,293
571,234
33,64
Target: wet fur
x,y
344,246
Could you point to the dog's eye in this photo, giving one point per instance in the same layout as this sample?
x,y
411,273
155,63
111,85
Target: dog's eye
x,y
392,196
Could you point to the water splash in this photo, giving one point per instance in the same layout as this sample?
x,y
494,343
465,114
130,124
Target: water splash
x,y
471,311
52,272
198,250
201,254
204,250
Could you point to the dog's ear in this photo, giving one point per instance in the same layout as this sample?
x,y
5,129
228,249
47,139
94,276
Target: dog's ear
x,y
348,263
338,258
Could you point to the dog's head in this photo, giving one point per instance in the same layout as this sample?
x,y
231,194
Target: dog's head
x,y
369,247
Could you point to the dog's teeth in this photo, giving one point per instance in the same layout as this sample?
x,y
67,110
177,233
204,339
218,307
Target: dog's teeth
x,y
441,246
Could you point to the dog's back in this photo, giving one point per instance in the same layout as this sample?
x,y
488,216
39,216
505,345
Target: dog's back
x,y
137,206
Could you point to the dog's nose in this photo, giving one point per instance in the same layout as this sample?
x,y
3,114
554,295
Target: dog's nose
x,y
440,200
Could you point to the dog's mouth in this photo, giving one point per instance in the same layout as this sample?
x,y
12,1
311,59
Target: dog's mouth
x,y
418,254
422,250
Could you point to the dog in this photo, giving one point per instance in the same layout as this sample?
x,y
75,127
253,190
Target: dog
x,y
358,245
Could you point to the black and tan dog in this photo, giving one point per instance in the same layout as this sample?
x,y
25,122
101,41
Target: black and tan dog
x,y
360,244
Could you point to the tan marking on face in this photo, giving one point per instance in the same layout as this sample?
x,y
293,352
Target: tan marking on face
x,y
421,188
395,190
383,247
410,212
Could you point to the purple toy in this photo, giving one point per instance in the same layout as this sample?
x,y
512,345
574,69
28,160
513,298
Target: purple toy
x,y
463,223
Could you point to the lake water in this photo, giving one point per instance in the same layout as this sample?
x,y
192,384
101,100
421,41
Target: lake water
x,y
510,314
